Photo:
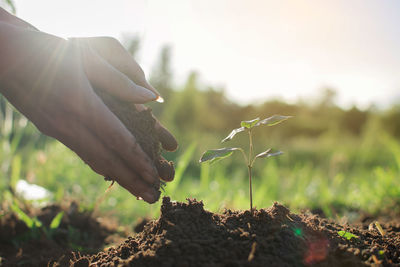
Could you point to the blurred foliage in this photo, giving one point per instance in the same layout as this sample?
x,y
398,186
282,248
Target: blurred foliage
x,y
8,5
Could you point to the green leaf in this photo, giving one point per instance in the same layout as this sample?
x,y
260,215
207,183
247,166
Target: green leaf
x,y
268,153
273,120
233,133
55,223
214,155
30,222
249,124
347,235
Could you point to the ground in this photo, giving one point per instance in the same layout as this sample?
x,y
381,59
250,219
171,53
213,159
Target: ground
x,y
187,235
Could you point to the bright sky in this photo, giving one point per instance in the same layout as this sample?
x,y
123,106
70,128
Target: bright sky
x,y
254,49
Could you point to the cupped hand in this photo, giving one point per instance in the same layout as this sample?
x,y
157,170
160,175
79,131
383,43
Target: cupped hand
x,y
51,80
100,51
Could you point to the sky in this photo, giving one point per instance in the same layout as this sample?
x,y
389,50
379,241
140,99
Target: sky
x,y
255,49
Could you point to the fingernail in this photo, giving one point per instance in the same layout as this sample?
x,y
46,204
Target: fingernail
x,y
147,94
159,97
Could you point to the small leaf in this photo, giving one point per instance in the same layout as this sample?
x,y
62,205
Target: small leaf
x,y
30,222
217,154
268,153
233,133
273,120
249,124
347,235
23,216
55,223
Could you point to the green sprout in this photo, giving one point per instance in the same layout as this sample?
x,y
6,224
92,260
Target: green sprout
x,y
215,155
347,235
36,226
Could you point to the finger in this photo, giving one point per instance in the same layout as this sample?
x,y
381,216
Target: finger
x,y
165,169
167,140
103,160
114,53
104,76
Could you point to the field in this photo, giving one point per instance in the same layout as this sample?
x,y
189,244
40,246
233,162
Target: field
x,y
335,174
355,174
338,164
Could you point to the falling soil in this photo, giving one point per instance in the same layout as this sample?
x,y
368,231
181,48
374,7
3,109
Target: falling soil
x,y
187,235
142,125
78,230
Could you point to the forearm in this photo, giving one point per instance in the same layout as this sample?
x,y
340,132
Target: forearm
x,y
11,19
12,32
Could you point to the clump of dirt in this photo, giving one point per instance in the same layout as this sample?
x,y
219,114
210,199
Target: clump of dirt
x,y
187,235
139,226
142,125
78,231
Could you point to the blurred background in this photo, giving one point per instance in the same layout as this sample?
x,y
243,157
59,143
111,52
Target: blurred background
x,y
333,65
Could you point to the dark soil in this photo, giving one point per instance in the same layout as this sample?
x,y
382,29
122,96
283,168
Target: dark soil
x,y
79,230
187,235
142,125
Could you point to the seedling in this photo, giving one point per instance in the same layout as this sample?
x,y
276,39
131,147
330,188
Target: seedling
x,y
215,155
36,226
347,235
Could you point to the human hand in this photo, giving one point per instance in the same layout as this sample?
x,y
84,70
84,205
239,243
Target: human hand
x,y
111,51
51,81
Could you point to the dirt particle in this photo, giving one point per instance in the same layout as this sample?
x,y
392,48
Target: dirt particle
x,y
252,251
124,252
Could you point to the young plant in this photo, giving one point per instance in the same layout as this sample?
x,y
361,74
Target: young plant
x,y
215,155
36,226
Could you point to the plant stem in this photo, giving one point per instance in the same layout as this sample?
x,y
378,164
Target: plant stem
x,y
250,190
249,166
250,149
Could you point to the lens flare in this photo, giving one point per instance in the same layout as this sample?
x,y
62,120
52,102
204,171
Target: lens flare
x,y
316,251
298,232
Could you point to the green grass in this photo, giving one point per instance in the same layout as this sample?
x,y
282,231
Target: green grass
x,y
314,173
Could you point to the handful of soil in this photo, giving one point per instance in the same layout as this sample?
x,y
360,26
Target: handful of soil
x,y
142,125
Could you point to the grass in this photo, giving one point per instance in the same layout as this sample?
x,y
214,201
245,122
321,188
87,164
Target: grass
x,y
334,189
303,185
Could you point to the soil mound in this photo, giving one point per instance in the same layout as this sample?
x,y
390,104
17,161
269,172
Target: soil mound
x,y
21,245
187,235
